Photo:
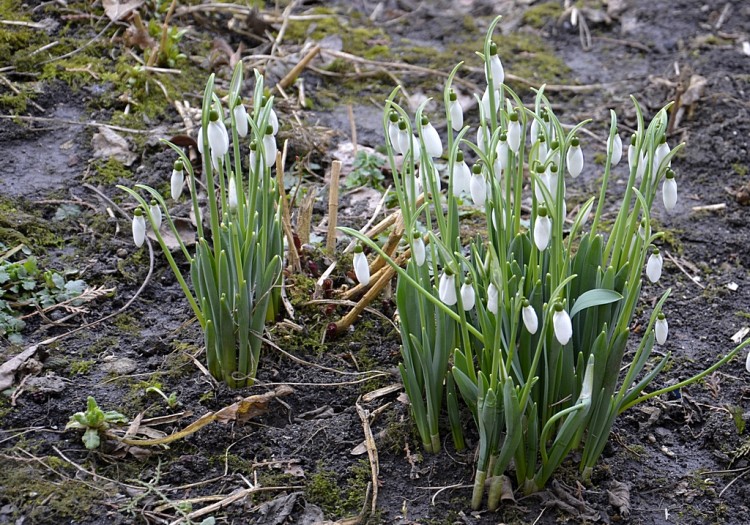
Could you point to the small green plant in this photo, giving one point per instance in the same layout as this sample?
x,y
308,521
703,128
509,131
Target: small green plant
x,y
367,170
530,325
24,287
171,399
94,422
236,270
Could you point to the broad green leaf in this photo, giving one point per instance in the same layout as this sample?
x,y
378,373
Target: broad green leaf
x,y
596,297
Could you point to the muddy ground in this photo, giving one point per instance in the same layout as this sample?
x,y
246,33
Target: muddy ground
x,y
67,67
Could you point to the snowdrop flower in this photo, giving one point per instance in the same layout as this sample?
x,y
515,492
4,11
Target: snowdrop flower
x,y
552,179
418,250
178,180
514,133
481,133
456,112
669,191
254,157
461,175
554,152
468,297
240,118
661,329
534,130
615,146
502,151
273,119
632,153
477,185
199,140
269,146
530,320
232,193
574,158
662,150
542,229
496,68
139,227
447,288
402,139
641,169
747,362
642,229
361,267
432,144
486,102
218,139
155,213
493,295
654,266
541,179
393,132
562,326
417,188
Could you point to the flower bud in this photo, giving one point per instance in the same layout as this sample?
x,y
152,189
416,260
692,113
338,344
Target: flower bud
x,y
486,109
493,296
669,191
432,144
218,139
456,112
478,186
661,152
632,153
232,194
530,320
269,146
661,329
574,158
514,133
418,250
139,227
468,298
461,175
155,210
496,68
502,150
654,266
393,132
562,326
542,229
361,267
447,288
615,146
240,118
178,180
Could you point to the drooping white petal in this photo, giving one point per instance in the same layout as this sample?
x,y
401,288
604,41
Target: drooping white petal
x,y
393,135
240,120
402,140
478,189
493,296
232,194
218,139
502,151
139,228
542,232
432,143
177,182
631,156
199,140
654,266
419,253
273,121
662,150
487,110
669,193
447,289
361,268
457,115
543,179
468,297
514,135
574,160
747,362
530,320
534,130
498,72
541,151
155,210
481,133
461,178
562,326
661,329
269,148
641,170
616,147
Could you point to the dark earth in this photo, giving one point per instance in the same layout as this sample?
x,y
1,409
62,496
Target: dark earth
x,y
67,69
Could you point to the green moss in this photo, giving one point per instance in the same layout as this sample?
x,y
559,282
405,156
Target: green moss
x,y
81,367
339,495
27,225
110,172
740,169
600,158
127,323
103,344
540,15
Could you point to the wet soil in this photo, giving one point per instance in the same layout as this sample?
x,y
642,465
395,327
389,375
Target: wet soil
x,y
683,458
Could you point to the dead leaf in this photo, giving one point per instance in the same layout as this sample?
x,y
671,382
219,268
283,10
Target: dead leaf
x,y
11,366
619,497
185,230
276,511
109,145
119,9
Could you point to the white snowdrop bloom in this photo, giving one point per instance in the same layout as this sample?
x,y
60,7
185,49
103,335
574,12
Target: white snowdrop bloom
x,y
478,186
554,153
502,151
542,229
139,227
542,179
361,267
642,229
432,143
240,118
747,362
486,107
514,133
641,169
418,249
562,326
632,153
417,188
447,288
232,194
534,130
269,146
654,266
155,210
574,158
402,140
199,140
493,297
393,131
178,180
273,121
616,146
481,134
552,180
669,191
530,320
468,297
461,175
661,329
218,139
256,158
496,68
662,150
456,112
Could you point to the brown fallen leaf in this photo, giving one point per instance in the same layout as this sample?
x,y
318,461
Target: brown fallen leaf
x,y
619,497
13,365
118,9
